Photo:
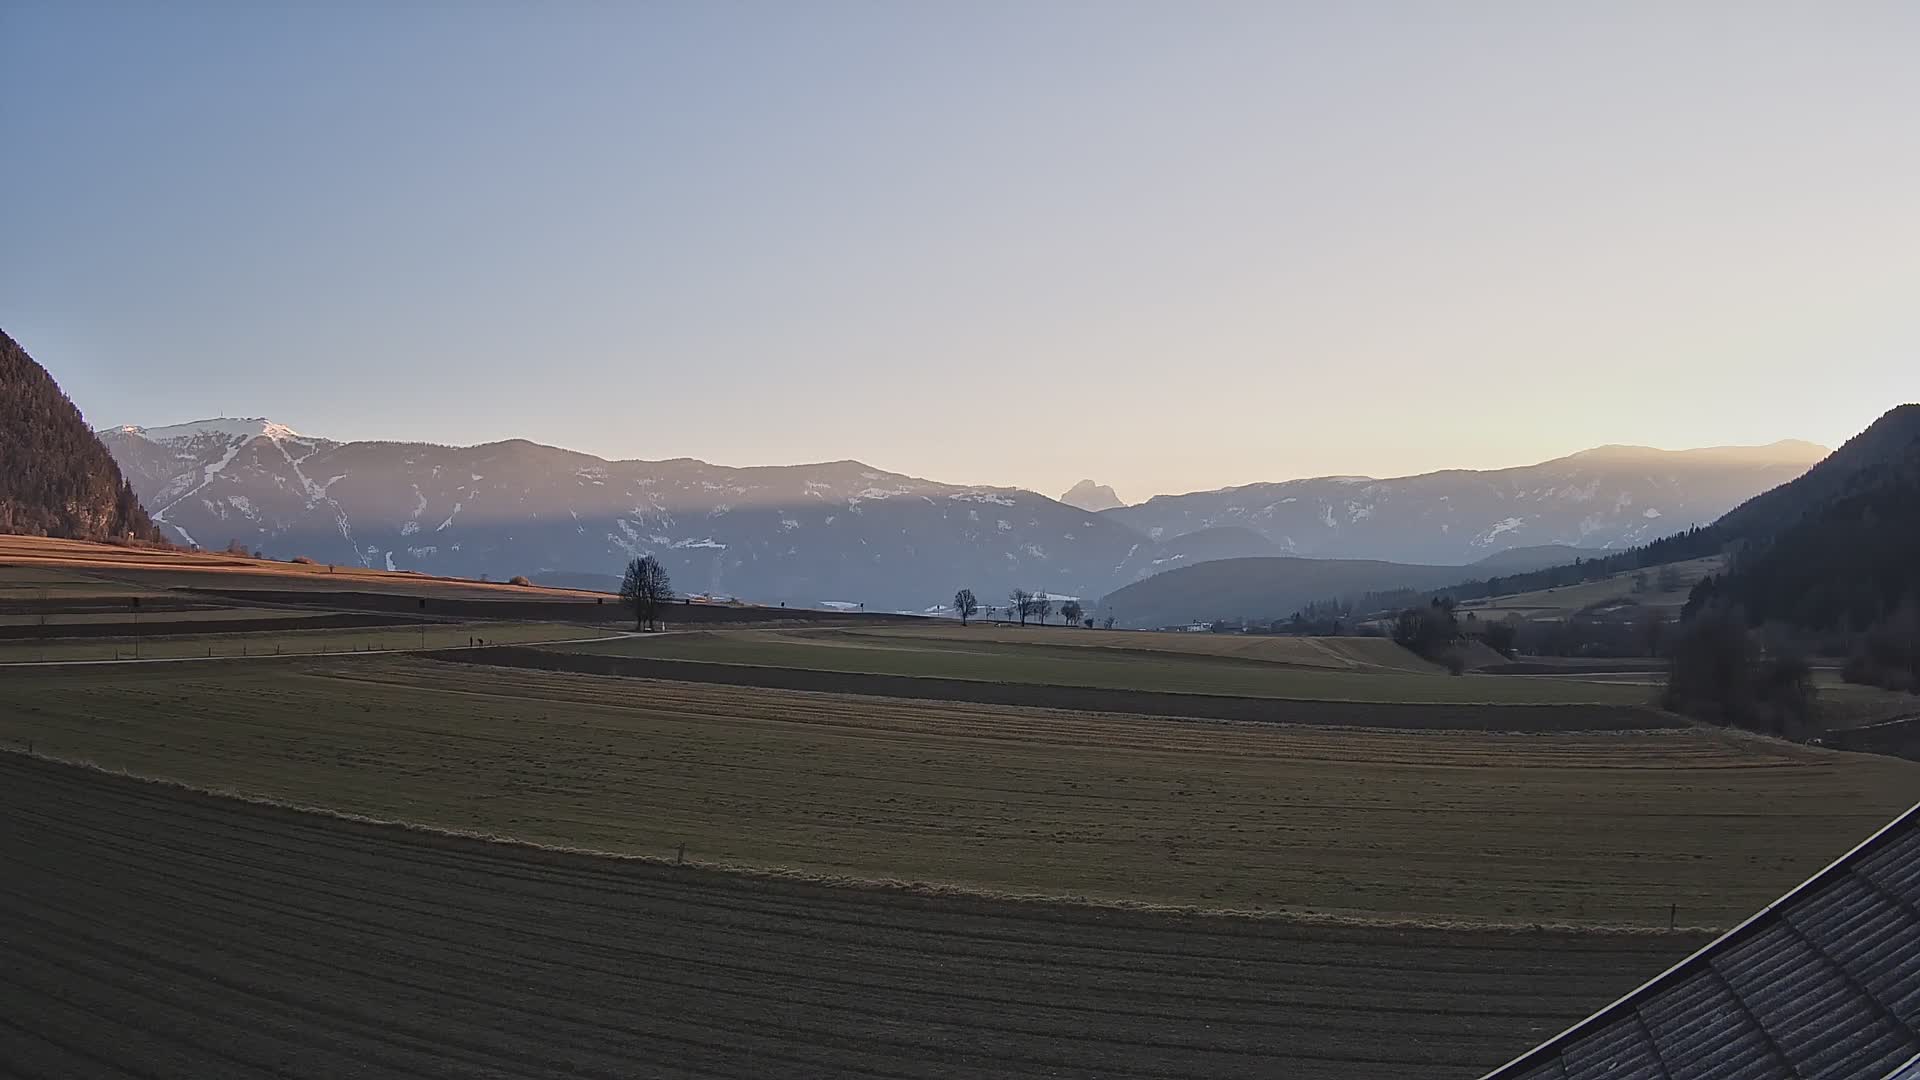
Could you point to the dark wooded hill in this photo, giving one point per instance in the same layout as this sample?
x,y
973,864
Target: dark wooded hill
x,y
56,479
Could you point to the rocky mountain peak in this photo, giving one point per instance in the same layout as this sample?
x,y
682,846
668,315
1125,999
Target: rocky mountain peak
x,y
1091,497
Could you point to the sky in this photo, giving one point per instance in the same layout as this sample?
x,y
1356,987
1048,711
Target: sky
x,y
1167,246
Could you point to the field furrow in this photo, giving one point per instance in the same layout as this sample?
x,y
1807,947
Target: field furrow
x,y
155,931
1459,826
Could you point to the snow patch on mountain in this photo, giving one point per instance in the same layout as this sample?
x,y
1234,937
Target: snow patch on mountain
x,y
207,475
1504,525
241,429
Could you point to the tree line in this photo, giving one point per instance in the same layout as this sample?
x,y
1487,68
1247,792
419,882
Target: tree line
x,y
1022,605
56,479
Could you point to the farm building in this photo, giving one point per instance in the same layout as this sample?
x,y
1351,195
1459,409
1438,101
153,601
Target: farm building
x,y
1824,982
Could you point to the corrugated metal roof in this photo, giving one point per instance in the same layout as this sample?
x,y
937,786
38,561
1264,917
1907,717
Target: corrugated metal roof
x,y
1909,1071
1824,983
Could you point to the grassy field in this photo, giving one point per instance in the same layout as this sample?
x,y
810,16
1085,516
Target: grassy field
x,y
58,619
1330,653
1142,666
149,931
1562,602
1583,828
52,583
260,643
107,569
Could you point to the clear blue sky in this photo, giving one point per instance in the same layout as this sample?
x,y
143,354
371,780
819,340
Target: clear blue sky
x,y
1165,245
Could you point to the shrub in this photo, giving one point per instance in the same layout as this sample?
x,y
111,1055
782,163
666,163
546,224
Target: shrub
x,y
519,579
1500,637
1429,631
304,560
1718,675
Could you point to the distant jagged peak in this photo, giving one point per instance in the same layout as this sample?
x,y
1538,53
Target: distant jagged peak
x,y
230,428
1091,497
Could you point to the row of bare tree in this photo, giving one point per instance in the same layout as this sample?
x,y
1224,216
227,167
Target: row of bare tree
x,y
646,588
1022,605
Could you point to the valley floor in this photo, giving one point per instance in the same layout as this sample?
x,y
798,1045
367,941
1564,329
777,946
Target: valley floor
x,y
1593,828
149,930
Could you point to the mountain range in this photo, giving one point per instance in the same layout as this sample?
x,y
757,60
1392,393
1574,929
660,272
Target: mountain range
x,y
1609,497
845,531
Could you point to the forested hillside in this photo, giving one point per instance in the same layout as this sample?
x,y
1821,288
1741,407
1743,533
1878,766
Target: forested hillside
x,y
56,479
1841,562
1845,556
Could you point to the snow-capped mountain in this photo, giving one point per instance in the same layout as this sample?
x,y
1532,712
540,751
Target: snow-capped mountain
x,y
1609,497
846,531
800,533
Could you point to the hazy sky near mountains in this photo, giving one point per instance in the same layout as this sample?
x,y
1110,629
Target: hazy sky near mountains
x,y
1168,246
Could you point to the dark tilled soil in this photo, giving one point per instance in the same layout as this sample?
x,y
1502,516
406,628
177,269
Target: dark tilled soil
x,y
1548,667
1423,716
582,609
345,620
148,931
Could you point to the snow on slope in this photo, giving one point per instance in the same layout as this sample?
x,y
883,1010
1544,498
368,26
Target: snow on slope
x,y
236,428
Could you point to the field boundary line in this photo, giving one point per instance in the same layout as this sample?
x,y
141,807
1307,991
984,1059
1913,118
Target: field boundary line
x,y
893,886
409,650
1522,717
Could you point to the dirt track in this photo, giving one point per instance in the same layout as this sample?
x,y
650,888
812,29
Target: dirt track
x,y
150,931
1418,717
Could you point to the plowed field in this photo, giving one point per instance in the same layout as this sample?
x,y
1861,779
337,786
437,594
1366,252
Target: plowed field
x,y
1262,672
148,931
1590,828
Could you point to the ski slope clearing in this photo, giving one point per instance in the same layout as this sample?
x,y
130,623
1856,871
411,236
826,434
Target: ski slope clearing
x,y
147,930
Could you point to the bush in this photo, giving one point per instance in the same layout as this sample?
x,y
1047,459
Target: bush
x,y
1888,654
1501,636
1719,676
1428,631
304,560
518,579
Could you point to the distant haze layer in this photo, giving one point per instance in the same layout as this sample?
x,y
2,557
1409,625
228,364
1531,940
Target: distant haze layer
x,y
846,532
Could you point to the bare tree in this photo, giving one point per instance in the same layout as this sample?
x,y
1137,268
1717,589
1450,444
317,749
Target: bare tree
x,y
1071,612
645,587
1042,607
1107,623
1021,604
1651,629
966,605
